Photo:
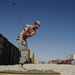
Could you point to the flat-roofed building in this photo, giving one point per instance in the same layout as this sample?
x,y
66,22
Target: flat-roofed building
x,y
70,57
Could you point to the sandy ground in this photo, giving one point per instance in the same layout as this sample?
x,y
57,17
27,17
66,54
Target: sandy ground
x,y
63,69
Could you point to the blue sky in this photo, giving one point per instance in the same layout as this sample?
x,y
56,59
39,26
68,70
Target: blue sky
x,y
56,36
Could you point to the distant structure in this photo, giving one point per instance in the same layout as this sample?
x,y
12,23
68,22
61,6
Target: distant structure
x,y
31,57
35,61
71,59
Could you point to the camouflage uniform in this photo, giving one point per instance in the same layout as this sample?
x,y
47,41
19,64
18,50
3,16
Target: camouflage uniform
x,y
23,48
22,45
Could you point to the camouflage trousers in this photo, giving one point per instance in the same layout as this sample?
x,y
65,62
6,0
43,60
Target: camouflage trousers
x,y
23,48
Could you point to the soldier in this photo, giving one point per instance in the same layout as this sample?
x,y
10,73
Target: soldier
x,y
28,31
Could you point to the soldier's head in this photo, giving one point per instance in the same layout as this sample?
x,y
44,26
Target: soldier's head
x,y
37,24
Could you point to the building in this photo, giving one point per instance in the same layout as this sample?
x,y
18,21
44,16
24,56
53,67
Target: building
x,y
71,59
31,57
35,61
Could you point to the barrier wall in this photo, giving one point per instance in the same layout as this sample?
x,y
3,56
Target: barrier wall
x,y
9,53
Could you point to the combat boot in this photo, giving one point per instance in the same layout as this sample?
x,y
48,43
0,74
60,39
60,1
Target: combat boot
x,y
21,68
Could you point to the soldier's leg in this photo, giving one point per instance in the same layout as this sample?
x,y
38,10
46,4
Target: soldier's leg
x,y
22,48
24,53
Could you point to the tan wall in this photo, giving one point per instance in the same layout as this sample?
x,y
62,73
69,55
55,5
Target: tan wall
x,y
70,57
35,62
31,57
73,56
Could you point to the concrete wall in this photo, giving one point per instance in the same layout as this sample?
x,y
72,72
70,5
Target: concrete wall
x,y
31,57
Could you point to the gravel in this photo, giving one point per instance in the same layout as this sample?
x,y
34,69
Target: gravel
x,y
63,69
